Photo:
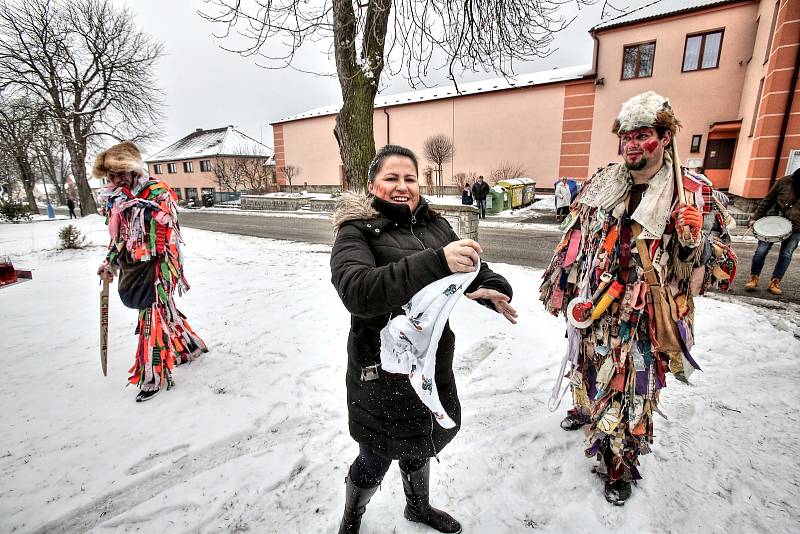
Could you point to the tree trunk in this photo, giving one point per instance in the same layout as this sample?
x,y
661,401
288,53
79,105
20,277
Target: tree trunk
x,y
77,157
354,130
358,78
28,181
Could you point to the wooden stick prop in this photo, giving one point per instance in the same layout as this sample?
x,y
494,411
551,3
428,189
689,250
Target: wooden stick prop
x,y
104,328
676,167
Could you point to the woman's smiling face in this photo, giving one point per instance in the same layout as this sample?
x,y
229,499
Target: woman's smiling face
x,y
396,182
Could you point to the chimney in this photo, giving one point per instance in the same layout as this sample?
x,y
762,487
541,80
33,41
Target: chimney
x,y
198,130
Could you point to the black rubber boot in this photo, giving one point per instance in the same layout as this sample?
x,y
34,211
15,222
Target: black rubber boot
x,y
617,492
418,508
574,420
355,503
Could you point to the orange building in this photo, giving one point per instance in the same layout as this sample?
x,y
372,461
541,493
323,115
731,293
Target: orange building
x,y
222,159
729,67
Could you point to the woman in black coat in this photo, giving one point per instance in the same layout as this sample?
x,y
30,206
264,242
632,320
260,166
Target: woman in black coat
x,y
389,246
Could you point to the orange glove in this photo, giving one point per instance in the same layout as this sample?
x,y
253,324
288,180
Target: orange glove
x,y
686,215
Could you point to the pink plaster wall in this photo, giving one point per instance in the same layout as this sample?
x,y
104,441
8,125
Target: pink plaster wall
x,y
699,98
521,126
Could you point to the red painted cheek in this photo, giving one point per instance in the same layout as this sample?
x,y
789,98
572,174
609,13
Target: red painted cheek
x,y
650,145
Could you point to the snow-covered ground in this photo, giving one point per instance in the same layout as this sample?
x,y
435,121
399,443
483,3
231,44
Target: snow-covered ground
x,y
254,439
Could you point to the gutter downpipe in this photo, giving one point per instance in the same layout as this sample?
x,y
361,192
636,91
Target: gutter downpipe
x,y
595,53
786,113
387,126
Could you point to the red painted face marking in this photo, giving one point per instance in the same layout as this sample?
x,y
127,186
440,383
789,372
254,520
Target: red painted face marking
x,y
650,146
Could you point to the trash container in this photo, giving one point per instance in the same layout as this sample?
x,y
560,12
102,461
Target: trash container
x,y
528,191
497,200
208,199
515,187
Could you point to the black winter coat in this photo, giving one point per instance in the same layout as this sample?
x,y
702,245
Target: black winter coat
x,y
480,190
382,256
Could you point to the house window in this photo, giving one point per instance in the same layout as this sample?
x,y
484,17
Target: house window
x,y
191,193
158,169
172,168
205,190
696,139
178,193
187,166
205,165
637,60
702,51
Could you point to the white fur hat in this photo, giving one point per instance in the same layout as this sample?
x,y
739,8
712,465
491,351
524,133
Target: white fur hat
x,y
643,110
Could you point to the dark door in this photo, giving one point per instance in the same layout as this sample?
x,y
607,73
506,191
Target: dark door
x,y
719,153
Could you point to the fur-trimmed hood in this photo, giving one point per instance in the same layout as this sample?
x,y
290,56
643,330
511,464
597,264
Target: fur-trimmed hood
x,y
352,207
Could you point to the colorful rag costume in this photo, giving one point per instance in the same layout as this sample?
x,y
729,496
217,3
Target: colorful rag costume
x,y
145,237
619,364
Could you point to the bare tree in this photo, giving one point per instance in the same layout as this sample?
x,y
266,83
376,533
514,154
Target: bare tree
x,y
290,172
235,173
90,64
21,122
488,35
50,161
463,178
506,170
439,149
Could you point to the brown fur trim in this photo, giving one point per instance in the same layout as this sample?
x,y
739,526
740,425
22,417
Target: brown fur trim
x,y
124,157
352,207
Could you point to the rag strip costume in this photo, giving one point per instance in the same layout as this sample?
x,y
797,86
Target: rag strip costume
x,y
622,259
143,226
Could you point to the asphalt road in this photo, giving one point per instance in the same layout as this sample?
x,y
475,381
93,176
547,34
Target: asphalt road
x,y
519,246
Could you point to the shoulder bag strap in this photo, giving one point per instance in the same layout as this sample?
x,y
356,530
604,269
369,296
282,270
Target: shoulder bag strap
x,y
644,254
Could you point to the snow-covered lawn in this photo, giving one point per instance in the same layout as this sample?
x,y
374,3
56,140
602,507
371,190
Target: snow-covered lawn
x,y
254,438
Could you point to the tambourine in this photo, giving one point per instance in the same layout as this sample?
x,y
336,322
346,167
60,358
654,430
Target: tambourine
x,y
772,229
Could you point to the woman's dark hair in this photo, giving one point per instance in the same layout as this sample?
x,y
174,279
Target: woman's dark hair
x,y
384,152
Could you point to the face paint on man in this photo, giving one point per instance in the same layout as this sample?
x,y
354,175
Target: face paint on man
x,y
640,148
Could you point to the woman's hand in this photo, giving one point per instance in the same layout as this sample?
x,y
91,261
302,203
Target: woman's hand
x,y
500,301
463,256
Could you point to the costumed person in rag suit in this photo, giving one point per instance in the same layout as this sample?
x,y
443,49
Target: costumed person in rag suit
x,y
630,318
142,219
389,246
785,196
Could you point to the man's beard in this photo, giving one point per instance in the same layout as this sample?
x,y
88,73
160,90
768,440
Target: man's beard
x,y
638,165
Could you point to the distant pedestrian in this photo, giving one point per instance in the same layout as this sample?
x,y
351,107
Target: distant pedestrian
x,y
784,197
479,192
466,195
563,199
71,207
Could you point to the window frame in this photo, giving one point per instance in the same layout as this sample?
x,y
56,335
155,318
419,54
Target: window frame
x,y
638,60
702,36
697,142
172,168
771,38
188,167
207,165
158,168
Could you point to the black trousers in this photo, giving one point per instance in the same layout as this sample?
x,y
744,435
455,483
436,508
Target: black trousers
x,y
369,467
481,208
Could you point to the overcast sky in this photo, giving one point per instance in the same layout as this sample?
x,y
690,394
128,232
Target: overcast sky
x,y
207,87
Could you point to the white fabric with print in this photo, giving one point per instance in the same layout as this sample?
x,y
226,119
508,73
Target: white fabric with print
x,y
409,342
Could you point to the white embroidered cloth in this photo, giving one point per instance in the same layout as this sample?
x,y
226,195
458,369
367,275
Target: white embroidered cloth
x,y
409,342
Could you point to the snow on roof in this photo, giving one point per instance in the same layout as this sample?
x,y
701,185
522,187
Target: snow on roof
x,y
471,88
657,9
226,141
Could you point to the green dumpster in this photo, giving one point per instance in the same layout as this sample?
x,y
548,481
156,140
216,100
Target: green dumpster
x,y
515,188
497,200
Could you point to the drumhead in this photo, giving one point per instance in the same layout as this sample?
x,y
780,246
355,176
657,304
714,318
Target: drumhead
x,y
772,229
